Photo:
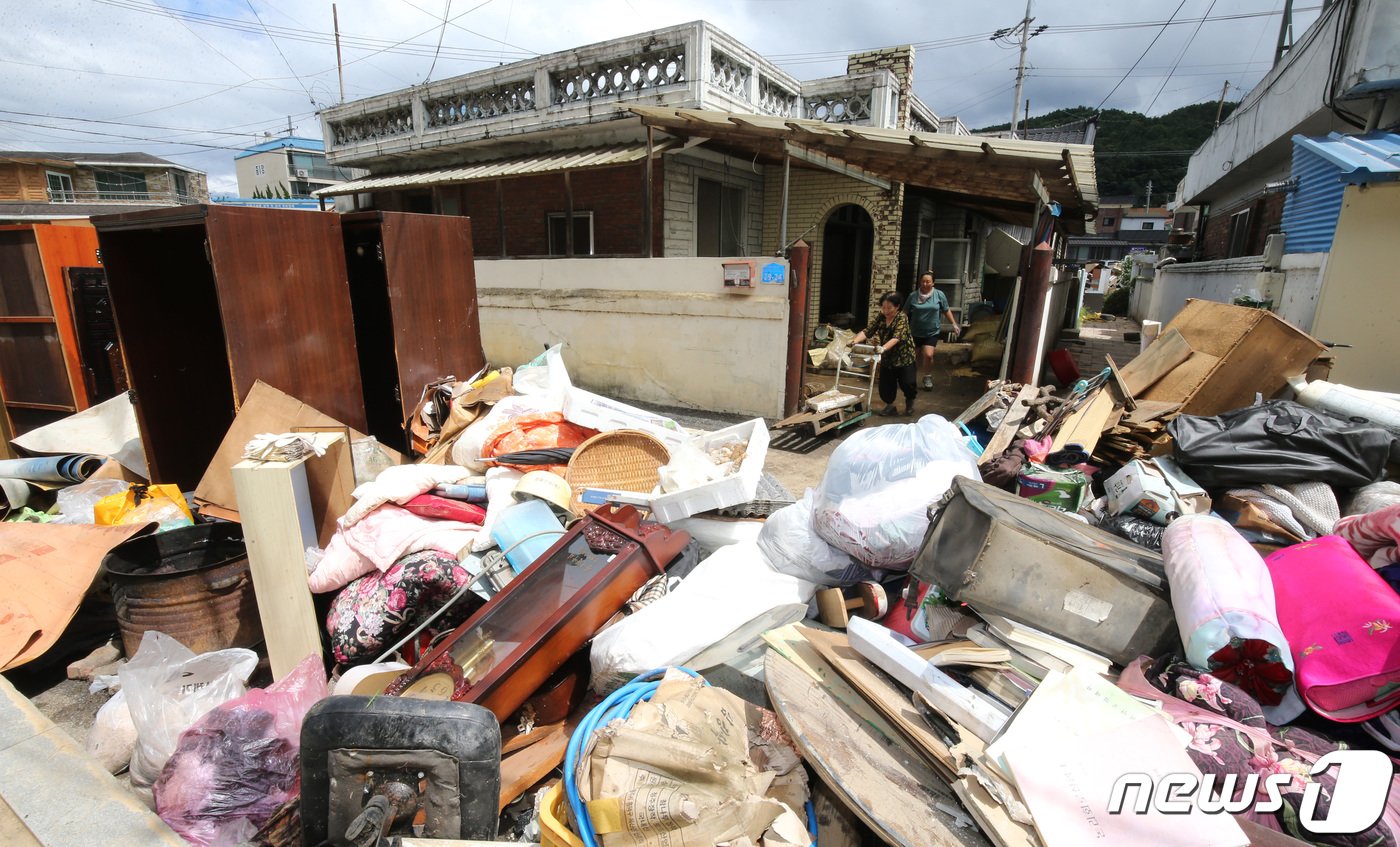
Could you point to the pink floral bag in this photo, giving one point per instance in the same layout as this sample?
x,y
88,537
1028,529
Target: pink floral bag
x,y
1340,618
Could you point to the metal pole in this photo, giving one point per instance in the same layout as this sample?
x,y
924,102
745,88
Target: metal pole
x,y
1285,26
799,265
339,69
1021,68
568,215
1219,107
782,228
647,205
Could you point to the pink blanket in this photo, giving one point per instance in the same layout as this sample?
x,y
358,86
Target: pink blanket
x,y
1375,536
379,539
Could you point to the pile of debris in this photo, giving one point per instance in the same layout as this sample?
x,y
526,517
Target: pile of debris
x,y
540,626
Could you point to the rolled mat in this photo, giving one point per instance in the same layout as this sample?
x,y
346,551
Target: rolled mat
x,y
70,468
1224,602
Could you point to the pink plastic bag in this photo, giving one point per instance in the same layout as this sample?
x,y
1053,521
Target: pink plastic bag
x,y
1342,621
238,764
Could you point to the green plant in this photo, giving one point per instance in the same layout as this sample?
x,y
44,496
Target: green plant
x,y
1116,301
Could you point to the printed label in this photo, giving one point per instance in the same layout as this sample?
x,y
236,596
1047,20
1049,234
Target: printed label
x,y
1087,606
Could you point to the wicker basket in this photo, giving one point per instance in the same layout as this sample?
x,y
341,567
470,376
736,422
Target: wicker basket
x,y
624,459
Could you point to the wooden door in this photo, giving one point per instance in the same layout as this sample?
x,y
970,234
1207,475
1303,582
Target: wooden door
x,y
285,305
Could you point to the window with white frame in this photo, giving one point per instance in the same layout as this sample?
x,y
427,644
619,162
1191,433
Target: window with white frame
x,y
557,223
1239,234
60,188
719,219
181,183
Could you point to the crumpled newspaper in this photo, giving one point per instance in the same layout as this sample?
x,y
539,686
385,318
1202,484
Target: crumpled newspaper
x,y
284,447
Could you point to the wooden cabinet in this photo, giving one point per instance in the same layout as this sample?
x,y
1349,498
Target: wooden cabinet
x,y
210,299
413,289
41,377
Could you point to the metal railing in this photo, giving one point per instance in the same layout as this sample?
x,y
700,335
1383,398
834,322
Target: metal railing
x,y
170,198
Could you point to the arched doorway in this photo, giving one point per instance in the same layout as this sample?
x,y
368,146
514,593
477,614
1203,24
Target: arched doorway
x,y
848,243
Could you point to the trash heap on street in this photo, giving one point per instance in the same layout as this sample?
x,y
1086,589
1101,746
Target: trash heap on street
x,y
563,619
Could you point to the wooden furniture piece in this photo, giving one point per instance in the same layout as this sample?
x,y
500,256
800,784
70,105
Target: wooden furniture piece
x,y
41,378
413,291
210,299
278,525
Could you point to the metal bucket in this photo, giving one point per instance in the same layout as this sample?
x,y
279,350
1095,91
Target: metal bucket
x,y
190,583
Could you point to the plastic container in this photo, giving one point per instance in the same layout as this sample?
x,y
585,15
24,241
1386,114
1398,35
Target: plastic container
x,y
554,819
730,490
524,531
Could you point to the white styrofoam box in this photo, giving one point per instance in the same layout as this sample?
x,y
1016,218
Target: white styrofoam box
x,y
606,415
729,491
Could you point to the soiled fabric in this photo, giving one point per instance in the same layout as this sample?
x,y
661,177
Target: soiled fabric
x,y
1230,735
1224,603
377,609
534,432
1375,536
378,540
399,484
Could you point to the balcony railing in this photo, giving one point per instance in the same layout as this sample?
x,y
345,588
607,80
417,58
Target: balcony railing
x,y
145,198
688,66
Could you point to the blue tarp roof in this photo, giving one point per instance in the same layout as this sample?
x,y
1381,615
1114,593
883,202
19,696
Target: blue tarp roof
x,y
313,144
1373,157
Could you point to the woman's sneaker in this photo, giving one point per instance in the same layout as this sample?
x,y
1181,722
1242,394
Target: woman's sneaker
x,y
928,382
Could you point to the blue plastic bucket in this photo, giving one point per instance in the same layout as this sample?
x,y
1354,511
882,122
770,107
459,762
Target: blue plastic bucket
x,y
524,531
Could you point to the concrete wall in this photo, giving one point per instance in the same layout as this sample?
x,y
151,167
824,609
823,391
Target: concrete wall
x,y
659,332
1293,288
1359,300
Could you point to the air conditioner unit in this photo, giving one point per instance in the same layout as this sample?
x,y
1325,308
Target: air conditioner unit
x,y
303,173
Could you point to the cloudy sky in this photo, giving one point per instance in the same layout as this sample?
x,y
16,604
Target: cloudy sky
x,y
197,81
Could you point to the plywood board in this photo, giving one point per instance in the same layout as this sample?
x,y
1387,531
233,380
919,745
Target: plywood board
x,y
1087,424
1010,425
791,643
1182,382
891,789
1161,356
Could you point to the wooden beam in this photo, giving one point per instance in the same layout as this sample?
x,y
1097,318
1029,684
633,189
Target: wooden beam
x,y
988,148
1010,425
1069,169
1160,358
834,165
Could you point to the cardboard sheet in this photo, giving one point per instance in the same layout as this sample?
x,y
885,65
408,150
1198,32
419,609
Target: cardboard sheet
x,y
107,429
46,569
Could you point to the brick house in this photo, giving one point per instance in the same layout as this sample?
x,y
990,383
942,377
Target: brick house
x,y
44,186
684,142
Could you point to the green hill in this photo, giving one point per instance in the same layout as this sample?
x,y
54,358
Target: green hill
x,y
1164,143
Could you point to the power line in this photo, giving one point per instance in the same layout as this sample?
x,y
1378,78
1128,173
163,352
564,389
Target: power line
x,y
442,31
1140,58
122,136
1179,57
278,48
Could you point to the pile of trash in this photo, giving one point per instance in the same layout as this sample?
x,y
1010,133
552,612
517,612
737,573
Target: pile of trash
x,y
541,624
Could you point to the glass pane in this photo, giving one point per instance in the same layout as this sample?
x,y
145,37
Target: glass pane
x,y
583,235
731,222
31,365
22,289
949,259
707,232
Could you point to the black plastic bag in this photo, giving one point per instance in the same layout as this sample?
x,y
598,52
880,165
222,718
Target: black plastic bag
x,y
1279,442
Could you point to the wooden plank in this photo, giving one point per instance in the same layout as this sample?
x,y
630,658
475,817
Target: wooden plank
x,y
981,404
522,769
895,704
521,740
1116,380
278,526
1087,424
791,643
1181,383
1010,425
888,787
1150,410
992,816
1169,350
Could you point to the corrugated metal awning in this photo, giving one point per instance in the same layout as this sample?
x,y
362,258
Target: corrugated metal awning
x,y
1373,157
566,160
990,173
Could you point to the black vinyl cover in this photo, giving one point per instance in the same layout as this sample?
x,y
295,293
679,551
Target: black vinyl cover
x,y
1279,442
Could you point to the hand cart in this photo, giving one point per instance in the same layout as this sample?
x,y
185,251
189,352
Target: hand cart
x,y
838,409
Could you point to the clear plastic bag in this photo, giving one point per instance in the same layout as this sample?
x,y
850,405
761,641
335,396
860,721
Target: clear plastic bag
x,y
76,501
239,763
544,375
874,497
792,546
168,687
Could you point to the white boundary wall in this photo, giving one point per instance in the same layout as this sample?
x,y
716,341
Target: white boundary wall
x,y
650,331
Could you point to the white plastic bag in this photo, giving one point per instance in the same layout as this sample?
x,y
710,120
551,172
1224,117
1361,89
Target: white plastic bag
x,y
544,375
874,497
718,600
112,736
791,546
500,488
168,687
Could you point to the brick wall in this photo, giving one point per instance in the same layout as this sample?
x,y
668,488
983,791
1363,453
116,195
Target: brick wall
x,y
812,196
679,203
1265,219
613,195
897,60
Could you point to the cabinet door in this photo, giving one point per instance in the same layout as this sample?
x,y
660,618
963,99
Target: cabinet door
x,y
285,303
34,379
429,265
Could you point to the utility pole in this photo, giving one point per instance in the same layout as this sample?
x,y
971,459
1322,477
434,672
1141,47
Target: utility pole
x,y
1285,31
1221,105
1021,68
339,69
1148,205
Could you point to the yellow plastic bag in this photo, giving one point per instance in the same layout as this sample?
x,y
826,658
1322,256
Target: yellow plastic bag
x,y
162,504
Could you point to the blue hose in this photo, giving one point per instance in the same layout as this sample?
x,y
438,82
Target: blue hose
x,y
619,705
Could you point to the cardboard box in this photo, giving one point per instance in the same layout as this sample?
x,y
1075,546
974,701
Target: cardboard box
x,y
1155,489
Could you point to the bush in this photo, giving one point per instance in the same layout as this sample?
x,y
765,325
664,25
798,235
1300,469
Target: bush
x,y
1116,301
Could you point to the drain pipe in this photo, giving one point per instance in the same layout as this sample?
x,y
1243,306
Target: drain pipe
x,y
799,265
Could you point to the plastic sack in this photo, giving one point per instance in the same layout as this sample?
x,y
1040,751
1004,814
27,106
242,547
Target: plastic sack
x,y
239,763
1279,442
535,432
544,375
874,497
688,467
161,504
467,449
369,459
76,502
113,736
168,687
791,546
